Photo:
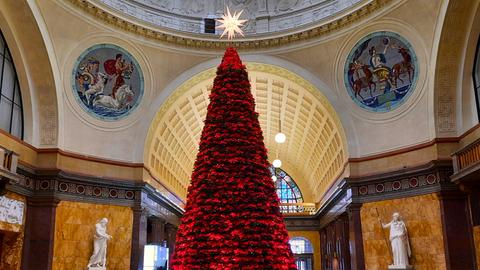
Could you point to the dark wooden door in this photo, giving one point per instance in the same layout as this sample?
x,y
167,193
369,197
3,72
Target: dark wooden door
x,y
334,244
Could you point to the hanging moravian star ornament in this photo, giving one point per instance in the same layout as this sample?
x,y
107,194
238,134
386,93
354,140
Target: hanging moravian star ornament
x,y
231,24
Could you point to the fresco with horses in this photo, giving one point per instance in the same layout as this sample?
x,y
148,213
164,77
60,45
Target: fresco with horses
x,y
107,82
381,71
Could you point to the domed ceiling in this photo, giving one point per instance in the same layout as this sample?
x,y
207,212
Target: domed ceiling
x,y
264,16
191,23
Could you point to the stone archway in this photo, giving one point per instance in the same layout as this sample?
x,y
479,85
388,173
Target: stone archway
x,y
22,32
453,68
315,153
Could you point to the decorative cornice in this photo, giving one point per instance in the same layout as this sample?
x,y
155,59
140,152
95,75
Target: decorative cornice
x,y
199,41
430,178
71,187
61,185
302,223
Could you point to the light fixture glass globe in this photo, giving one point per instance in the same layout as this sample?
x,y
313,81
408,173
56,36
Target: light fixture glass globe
x,y
274,178
277,163
280,137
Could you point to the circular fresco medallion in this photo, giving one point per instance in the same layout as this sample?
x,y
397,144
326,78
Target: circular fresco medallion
x,y
381,71
107,82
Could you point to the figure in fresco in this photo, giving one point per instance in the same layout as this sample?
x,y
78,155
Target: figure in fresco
x,y
87,74
405,66
107,82
98,260
97,88
119,69
399,242
122,100
383,65
378,62
361,77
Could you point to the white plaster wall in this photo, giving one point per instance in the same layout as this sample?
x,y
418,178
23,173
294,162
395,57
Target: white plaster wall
x,y
321,62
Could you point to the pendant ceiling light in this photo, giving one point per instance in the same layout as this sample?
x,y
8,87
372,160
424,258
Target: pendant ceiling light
x,y
280,137
277,163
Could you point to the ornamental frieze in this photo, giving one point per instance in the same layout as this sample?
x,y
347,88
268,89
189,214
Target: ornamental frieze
x,y
209,42
432,178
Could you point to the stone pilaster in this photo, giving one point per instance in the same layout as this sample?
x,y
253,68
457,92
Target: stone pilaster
x,y
39,233
357,259
139,237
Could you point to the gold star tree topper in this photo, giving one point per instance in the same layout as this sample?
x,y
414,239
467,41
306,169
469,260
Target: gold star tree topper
x,y
231,24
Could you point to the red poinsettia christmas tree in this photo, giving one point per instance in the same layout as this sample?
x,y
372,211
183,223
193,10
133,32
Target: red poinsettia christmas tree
x,y
232,218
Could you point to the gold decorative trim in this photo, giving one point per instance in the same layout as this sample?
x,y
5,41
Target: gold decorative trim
x,y
197,42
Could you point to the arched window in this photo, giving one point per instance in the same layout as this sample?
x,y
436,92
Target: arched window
x,y
11,110
300,245
287,189
476,76
303,251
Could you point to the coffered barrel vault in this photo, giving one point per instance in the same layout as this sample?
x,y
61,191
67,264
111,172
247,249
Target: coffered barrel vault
x,y
314,153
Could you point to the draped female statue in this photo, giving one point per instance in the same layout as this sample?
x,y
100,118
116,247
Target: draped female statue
x,y
399,243
98,260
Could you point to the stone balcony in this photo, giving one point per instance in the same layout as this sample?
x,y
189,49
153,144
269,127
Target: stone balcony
x,y
298,209
466,165
8,168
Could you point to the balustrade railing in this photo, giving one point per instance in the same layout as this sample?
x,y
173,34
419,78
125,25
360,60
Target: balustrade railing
x,y
8,160
298,208
466,156
8,169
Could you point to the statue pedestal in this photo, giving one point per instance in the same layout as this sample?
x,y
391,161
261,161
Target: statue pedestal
x,y
400,267
97,268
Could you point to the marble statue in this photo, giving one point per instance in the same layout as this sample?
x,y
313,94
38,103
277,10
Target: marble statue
x,y
98,260
400,245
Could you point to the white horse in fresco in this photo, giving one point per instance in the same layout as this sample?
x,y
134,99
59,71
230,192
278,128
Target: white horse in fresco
x,y
122,98
98,87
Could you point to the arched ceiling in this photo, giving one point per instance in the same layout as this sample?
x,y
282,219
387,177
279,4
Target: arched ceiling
x,y
314,153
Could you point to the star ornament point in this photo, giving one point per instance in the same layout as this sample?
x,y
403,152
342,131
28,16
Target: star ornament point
x,y
231,24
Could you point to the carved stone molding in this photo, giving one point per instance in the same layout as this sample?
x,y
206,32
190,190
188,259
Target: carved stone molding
x,y
212,43
65,186
302,224
432,177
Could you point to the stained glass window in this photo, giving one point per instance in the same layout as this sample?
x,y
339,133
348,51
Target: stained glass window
x,y
11,110
287,189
